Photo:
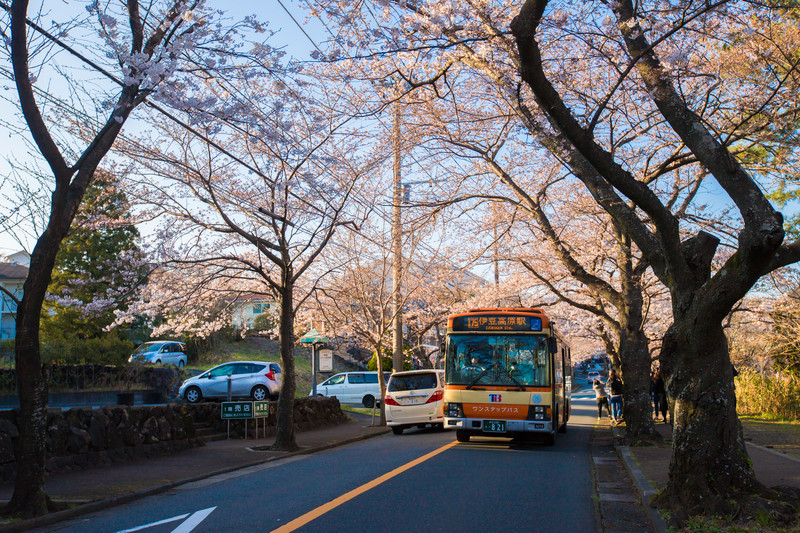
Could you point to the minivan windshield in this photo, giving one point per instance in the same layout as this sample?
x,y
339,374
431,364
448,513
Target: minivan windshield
x,y
426,380
144,348
504,360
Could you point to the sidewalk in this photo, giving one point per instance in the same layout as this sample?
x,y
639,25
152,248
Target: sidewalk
x,y
648,466
99,488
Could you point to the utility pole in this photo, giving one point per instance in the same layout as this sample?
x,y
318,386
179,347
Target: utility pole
x,y
397,251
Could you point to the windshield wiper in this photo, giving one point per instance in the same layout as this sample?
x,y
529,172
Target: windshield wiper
x,y
474,381
499,370
512,378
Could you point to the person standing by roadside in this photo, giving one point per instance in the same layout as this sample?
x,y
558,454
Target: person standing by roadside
x,y
614,385
601,398
659,395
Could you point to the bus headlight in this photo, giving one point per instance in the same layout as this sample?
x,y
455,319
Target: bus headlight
x,y
453,410
539,412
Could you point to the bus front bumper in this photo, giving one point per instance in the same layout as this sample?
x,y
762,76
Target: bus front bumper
x,y
511,426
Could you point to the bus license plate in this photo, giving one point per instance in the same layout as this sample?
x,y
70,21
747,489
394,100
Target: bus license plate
x,y
494,426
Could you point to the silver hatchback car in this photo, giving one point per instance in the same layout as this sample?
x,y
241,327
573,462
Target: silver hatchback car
x,y
258,380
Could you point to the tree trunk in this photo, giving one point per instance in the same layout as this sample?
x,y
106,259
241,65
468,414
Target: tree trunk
x,y
381,382
29,498
635,373
635,353
284,431
709,466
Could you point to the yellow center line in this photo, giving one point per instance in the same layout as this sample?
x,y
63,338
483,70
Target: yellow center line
x,y
299,522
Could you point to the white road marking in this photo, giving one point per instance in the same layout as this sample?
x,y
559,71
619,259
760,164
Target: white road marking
x,y
191,522
153,524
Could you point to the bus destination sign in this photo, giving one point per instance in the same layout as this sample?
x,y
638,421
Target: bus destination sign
x,y
497,323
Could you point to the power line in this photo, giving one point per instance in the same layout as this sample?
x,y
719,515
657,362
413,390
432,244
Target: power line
x,y
301,28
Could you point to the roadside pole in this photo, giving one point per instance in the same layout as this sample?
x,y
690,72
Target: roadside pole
x,y
314,338
314,370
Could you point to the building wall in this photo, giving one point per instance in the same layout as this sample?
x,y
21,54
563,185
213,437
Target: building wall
x,y
246,312
8,308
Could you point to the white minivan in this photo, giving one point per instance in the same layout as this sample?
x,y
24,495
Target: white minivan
x,y
415,398
353,387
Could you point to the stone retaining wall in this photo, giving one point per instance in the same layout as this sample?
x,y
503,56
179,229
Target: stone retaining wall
x,y
165,379
84,437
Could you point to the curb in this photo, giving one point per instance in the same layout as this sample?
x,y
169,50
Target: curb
x,y
99,505
643,487
774,452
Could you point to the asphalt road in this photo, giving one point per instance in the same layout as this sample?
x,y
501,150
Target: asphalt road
x,y
419,481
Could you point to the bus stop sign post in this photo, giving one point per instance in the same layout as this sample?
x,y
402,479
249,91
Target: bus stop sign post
x,y
313,338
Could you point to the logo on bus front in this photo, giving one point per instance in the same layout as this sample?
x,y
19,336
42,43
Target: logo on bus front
x,y
495,397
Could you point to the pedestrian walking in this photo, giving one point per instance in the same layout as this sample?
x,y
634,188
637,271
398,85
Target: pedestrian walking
x,y
614,385
601,398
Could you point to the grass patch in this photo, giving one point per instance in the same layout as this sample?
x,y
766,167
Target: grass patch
x,y
776,434
361,410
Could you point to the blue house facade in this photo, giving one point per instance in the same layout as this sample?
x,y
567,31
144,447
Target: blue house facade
x,y
12,278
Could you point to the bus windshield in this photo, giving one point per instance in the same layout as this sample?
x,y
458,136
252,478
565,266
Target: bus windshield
x,y
504,360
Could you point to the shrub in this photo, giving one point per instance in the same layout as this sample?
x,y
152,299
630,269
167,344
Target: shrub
x,y
7,351
759,394
388,364
107,350
264,322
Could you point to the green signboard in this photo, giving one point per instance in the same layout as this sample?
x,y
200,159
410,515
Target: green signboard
x,y
236,410
260,409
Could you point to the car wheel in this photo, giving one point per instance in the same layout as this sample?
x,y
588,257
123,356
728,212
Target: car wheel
x,y
158,361
462,436
368,401
397,430
259,393
193,395
180,363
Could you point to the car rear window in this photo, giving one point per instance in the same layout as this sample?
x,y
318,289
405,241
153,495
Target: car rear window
x,y
413,382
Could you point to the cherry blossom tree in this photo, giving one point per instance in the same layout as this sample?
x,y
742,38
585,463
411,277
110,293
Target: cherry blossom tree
x,y
356,298
144,56
709,463
549,225
626,96
255,192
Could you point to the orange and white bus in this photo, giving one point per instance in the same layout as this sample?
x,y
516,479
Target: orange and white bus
x,y
507,374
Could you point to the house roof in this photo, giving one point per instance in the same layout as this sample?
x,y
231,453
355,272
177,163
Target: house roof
x,y
13,271
253,297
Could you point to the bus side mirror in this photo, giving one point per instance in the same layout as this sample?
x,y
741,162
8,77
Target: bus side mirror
x,y
441,350
552,345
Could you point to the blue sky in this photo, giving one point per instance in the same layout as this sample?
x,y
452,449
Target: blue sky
x,y
289,37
